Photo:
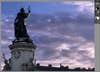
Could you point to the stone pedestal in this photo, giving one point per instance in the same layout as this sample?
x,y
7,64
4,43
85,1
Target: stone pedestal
x,y
22,55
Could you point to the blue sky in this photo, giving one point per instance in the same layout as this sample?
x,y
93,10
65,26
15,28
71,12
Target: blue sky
x,y
62,31
37,7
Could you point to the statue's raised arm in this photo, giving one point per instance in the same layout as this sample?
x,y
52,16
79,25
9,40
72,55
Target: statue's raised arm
x,y
29,11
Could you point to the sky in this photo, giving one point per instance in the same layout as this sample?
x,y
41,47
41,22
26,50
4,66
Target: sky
x,y
63,31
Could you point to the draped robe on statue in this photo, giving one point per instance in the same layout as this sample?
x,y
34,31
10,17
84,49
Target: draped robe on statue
x,y
20,28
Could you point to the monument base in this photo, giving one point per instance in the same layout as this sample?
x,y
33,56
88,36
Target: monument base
x,y
22,55
24,39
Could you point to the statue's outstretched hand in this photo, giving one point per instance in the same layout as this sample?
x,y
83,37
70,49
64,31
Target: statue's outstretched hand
x,y
29,11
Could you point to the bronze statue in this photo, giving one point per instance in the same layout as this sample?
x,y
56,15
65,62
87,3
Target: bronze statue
x,y
7,66
19,25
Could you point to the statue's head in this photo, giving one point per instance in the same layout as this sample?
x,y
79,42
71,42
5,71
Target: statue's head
x,y
22,10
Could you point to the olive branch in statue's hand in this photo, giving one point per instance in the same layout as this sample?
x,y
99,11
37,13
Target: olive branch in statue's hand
x,y
29,9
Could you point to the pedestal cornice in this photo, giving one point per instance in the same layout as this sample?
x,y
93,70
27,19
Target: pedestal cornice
x,y
22,45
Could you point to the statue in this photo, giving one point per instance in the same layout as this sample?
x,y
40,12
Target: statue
x,y
7,66
19,25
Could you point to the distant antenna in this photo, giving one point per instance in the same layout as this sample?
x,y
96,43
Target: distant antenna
x,y
34,61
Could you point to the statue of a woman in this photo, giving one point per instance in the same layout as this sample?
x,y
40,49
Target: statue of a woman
x,y
19,24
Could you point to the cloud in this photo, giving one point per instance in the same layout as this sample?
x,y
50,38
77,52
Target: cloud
x,y
83,5
60,38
